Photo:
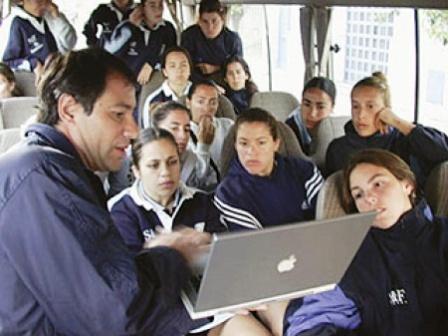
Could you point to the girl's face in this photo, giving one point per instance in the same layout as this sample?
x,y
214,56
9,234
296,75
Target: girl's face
x,y
316,105
211,24
159,170
376,188
256,148
177,69
236,77
36,7
6,87
367,101
153,11
178,124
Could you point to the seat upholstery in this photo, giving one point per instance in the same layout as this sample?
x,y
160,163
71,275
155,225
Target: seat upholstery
x,y
279,104
436,189
289,146
328,130
329,200
26,81
15,111
154,83
8,138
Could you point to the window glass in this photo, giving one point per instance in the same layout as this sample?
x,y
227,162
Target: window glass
x,y
387,46
434,69
286,53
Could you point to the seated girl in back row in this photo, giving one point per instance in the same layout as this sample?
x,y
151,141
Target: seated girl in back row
x,y
158,201
176,67
397,284
318,99
263,188
8,87
210,42
239,85
374,125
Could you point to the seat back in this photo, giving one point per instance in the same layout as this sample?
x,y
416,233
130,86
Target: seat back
x,y
329,129
329,200
436,189
15,111
26,81
279,104
289,146
8,138
154,83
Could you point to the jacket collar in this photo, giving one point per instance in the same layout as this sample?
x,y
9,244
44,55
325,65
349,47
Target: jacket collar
x,y
410,224
141,198
39,25
49,135
351,132
237,168
167,91
303,131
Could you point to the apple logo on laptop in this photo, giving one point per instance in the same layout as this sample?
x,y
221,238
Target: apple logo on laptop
x,y
286,265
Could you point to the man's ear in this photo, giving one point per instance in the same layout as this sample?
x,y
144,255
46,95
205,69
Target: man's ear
x,y
188,103
67,107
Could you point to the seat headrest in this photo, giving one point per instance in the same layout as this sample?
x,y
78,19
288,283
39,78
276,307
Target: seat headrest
x,y
329,200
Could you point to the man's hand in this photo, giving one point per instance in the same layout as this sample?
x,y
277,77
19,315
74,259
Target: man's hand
x,y
188,242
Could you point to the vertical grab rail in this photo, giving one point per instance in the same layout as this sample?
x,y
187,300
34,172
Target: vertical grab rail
x,y
417,64
268,46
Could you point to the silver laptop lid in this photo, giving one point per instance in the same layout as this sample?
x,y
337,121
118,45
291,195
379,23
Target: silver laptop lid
x,y
287,261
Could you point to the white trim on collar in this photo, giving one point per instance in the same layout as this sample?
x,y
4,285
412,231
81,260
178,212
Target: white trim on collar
x,y
21,13
167,91
183,193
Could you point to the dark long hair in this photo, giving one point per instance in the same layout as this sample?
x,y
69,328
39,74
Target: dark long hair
x,y
250,86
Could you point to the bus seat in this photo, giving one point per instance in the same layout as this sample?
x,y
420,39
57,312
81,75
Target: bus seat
x,y
154,83
8,138
26,81
328,130
289,146
435,189
15,111
329,200
225,107
279,104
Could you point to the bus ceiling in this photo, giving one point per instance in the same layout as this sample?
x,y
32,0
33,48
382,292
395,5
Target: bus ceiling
x,y
435,4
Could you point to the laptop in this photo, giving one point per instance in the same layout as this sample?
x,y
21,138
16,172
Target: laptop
x,y
250,268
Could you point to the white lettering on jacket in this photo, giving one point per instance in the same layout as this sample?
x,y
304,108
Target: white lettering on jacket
x,y
397,297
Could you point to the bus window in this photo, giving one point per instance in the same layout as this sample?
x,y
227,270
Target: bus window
x,y
286,56
434,69
375,39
